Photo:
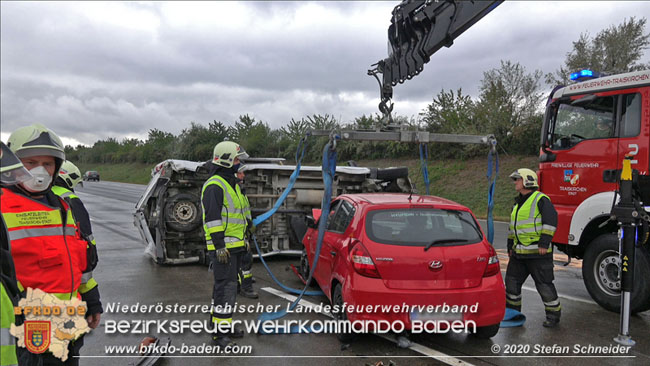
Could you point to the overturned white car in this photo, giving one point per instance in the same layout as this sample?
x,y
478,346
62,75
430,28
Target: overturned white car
x,y
168,215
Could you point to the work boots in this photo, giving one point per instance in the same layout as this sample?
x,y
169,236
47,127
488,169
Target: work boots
x,y
550,323
249,293
236,332
223,341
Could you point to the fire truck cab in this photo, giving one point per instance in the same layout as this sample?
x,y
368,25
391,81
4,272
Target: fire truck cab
x,y
589,127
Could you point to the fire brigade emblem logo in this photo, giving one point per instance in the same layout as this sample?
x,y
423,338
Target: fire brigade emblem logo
x,y
575,179
38,335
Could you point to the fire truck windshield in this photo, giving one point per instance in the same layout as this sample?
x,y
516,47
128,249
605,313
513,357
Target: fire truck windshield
x,y
573,124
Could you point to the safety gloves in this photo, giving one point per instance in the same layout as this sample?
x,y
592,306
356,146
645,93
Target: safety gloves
x,y
250,227
223,256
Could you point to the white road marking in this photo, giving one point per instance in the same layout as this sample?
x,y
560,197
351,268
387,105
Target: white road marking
x,y
568,297
442,357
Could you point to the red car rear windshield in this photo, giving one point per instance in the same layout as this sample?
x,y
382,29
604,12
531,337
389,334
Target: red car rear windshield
x,y
421,227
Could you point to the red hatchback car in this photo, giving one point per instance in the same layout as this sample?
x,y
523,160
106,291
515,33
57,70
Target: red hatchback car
x,y
414,254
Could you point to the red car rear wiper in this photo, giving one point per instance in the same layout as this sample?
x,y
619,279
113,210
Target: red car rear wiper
x,y
444,241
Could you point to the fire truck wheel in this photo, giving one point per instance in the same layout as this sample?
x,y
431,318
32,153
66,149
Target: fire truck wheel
x,y
645,251
182,212
600,270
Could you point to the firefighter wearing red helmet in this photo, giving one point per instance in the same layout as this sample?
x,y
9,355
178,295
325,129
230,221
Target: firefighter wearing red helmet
x,y
532,226
59,270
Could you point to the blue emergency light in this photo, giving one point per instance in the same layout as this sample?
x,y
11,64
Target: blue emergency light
x,y
584,74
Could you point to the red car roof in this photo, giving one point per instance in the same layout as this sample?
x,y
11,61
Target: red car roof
x,y
402,199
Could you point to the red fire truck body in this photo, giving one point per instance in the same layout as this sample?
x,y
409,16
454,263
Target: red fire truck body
x,y
588,129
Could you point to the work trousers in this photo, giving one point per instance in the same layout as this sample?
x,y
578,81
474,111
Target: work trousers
x,y
224,291
26,358
541,269
245,273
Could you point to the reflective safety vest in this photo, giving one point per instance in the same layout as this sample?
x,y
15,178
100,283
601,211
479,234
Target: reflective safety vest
x,y
7,341
87,280
247,208
233,218
47,249
526,226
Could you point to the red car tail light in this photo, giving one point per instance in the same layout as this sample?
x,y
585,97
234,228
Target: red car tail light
x,y
493,263
362,262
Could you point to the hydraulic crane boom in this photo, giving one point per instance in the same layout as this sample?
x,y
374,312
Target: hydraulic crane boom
x,y
418,29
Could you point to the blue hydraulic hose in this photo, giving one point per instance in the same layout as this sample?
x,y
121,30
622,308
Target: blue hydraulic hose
x,y
329,170
490,219
286,288
423,164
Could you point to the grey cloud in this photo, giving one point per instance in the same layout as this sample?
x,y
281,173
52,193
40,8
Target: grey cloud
x,y
90,80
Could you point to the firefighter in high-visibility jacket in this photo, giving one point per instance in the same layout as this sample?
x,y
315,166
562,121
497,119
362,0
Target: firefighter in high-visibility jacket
x,y
64,184
12,172
245,270
46,244
224,224
532,225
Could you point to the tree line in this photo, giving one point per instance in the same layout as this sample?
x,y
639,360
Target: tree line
x,y
509,105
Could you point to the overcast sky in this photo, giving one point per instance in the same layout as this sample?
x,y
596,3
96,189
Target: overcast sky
x,y
92,70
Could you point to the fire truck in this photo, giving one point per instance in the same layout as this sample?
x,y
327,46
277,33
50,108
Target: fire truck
x,y
589,128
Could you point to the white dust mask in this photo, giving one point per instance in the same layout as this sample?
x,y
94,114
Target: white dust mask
x,y
40,181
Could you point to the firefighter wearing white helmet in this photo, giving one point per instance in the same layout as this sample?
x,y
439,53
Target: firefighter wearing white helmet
x,y
11,172
224,225
245,274
532,226
69,177
41,152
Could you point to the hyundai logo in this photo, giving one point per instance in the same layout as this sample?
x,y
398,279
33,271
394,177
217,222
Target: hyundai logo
x,y
435,264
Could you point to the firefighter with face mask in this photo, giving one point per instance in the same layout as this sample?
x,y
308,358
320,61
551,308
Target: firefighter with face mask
x,y
59,269
532,226
12,172
224,224
245,274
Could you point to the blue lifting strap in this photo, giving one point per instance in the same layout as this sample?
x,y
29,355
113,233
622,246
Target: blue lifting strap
x,y
329,170
490,219
300,153
424,155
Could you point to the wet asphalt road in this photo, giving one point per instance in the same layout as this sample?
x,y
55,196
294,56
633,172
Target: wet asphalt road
x,y
127,276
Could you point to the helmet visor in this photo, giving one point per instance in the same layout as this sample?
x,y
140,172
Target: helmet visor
x,y
13,175
515,175
40,151
241,154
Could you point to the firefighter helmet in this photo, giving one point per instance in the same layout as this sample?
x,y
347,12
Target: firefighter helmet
x,y
225,153
12,170
36,140
529,177
70,174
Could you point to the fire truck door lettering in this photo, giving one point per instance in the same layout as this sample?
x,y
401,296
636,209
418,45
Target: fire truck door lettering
x,y
635,150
